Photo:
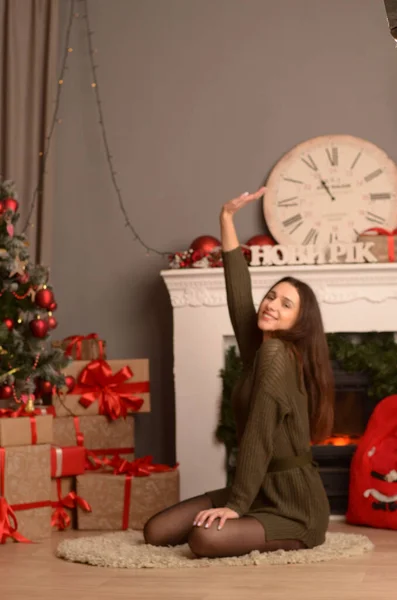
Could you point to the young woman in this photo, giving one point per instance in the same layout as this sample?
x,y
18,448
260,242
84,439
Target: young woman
x,y
282,402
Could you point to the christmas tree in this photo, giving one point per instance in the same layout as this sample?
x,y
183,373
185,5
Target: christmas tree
x,y
29,367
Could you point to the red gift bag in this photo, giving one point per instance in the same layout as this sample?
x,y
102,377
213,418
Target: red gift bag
x,y
373,473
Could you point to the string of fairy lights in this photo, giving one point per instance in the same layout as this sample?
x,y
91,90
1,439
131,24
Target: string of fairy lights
x,y
92,51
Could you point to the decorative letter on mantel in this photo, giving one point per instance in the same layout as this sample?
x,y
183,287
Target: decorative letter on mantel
x,y
279,255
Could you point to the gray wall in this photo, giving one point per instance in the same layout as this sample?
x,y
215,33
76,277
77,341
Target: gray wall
x,y
201,98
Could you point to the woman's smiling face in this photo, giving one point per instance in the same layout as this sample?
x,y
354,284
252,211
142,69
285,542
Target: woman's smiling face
x,y
280,308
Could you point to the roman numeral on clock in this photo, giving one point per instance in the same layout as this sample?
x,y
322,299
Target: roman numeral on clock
x,y
292,180
333,237
310,162
380,196
355,161
332,156
374,218
288,202
311,237
372,175
294,220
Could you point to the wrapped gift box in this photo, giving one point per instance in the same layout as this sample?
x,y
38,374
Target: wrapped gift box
x,y
67,461
82,347
25,485
21,431
115,507
136,387
384,243
98,433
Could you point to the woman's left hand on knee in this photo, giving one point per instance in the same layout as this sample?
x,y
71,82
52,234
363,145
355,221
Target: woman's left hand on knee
x,y
207,517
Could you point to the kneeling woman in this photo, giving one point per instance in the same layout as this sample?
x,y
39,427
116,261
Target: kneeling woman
x,y
282,402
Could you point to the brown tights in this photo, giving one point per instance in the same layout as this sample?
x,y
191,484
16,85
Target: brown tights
x,y
174,526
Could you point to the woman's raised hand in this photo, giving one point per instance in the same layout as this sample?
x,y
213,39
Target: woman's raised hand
x,y
231,207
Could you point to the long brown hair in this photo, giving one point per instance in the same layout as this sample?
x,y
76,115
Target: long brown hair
x,y
308,339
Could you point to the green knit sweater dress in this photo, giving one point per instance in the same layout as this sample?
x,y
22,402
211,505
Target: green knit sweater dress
x,y
272,423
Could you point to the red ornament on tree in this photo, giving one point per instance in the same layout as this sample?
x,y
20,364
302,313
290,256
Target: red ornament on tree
x,y
9,323
261,240
52,322
53,306
9,204
204,243
44,298
39,327
70,383
45,387
5,392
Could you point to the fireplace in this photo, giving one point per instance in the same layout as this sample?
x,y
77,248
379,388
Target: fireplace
x,y
353,409
352,297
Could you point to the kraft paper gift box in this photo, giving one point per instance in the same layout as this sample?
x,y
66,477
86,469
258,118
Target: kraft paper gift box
x,y
108,385
118,502
82,347
384,243
95,433
25,489
20,431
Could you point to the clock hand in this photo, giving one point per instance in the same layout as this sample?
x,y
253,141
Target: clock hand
x,y
327,189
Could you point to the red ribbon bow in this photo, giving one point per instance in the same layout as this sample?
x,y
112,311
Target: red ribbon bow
x,y
76,341
114,395
9,524
60,517
390,240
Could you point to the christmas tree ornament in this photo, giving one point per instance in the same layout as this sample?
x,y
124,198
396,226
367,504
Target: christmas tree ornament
x,y
19,267
45,387
5,392
261,240
53,306
39,327
9,204
70,382
204,244
29,406
9,323
44,297
52,322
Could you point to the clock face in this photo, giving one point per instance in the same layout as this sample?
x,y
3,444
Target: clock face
x,y
330,189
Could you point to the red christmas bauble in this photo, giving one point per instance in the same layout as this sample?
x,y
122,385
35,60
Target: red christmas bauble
x,y
44,298
70,382
53,306
9,204
204,243
261,240
39,328
45,387
9,323
5,392
52,322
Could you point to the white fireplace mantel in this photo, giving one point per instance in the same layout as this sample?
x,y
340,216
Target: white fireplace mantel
x,y
352,298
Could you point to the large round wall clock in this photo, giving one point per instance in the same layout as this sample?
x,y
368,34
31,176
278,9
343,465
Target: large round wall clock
x,y
330,189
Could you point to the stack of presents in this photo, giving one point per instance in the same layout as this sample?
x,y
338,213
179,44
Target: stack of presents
x,y
72,464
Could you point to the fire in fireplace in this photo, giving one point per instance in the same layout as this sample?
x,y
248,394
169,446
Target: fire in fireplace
x,y
353,408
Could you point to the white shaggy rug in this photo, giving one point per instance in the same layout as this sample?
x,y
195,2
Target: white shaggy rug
x,y
126,550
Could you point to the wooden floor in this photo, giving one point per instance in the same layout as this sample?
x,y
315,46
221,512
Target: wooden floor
x,y
30,572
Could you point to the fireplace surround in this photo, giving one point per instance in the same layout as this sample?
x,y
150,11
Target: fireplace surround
x,y
352,298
